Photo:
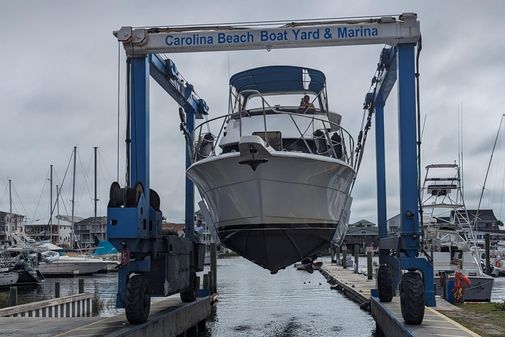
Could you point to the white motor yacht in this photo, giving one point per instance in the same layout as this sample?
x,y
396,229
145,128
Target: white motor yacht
x,y
276,178
54,264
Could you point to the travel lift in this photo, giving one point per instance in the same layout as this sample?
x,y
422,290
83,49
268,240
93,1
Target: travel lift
x,y
155,263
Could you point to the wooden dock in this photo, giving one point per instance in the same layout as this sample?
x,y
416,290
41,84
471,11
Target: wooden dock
x,y
169,317
388,315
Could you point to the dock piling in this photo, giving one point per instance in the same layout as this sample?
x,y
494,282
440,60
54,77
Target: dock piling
x,y
213,268
344,257
369,269
206,281
13,296
356,259
487,247
81,286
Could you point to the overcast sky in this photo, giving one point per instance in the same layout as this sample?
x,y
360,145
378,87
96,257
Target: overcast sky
x,y
58,88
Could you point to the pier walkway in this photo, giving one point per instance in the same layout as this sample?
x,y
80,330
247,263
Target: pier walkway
x,y
388,316
169,317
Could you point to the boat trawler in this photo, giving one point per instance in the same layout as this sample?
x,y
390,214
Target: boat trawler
x,y
276,179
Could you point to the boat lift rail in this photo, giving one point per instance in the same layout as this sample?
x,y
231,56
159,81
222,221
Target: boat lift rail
x,y
346,143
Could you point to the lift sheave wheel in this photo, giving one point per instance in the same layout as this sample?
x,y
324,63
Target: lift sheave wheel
x,y
189,295
412,297
385,283
138,300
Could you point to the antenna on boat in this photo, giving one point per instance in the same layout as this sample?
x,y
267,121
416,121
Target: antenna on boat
x,y
51,203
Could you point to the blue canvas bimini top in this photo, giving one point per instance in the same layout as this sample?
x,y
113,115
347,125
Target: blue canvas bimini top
x,y
272,79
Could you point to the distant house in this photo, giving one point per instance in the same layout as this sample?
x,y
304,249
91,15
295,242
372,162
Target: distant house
x,y
173,227
486,220
362,233
394,224
10,222
58,232
90,230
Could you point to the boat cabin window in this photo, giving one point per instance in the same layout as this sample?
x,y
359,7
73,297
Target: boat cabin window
x,y
293,102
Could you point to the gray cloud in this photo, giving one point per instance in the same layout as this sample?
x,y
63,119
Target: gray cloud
x,y
58,88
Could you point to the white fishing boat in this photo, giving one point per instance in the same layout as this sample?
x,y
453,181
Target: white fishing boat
x,y
54,264
276,178
8,277
448,234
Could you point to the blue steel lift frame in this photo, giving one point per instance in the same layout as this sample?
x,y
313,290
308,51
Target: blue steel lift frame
x,y
133,232
399,63
142,55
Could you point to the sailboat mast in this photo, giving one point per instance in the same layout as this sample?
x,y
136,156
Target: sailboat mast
x,y
57,204
51,203
73,200
10,210
96,199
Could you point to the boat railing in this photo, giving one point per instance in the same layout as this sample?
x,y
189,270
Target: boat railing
x,y
329,139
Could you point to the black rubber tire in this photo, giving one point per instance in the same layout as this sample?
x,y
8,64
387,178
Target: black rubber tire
x,y
385,283
138,300
133,195
189,294
412,297
115,197
154,200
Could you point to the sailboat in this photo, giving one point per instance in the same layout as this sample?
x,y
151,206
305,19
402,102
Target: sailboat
x,y
276,178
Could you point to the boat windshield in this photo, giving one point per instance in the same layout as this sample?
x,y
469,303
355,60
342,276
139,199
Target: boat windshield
x,y
284,100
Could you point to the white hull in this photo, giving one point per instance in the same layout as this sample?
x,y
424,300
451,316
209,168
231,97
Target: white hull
x,y
8,278
73,266
291,188
293,201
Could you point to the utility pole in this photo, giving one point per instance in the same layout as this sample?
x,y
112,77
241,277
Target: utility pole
x,y
72,234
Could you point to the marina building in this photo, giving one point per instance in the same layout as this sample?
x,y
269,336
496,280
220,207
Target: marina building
x,y
10,222
90,231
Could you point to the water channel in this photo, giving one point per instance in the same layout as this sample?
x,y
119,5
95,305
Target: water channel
x,y
252,302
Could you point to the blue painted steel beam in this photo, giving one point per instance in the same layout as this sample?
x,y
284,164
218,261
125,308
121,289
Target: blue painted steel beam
x,y
139,124
409,242
380,162
387,63
190,190
168,77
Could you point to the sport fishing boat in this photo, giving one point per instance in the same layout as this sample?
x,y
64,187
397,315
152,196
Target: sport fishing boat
x,y
448,233
276,178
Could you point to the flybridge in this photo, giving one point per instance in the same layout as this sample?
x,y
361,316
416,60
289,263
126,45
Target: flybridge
x,y
389,30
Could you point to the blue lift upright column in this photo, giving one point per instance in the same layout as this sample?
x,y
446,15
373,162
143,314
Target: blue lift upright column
x,y
123,223
190,190
380,162
139,123
409,189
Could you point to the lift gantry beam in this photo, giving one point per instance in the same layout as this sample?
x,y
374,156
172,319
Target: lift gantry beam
x,y
390,30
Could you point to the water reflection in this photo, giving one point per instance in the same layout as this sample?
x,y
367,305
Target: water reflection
x,y
291,303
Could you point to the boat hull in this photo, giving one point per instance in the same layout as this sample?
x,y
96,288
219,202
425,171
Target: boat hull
x,y
8,278
479,291
280,212
71,268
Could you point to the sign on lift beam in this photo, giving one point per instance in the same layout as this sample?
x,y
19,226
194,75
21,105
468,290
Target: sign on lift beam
x,y
385,30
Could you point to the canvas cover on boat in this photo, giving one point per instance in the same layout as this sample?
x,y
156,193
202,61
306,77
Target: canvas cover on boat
x,y
274,79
